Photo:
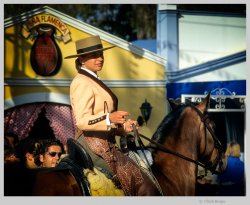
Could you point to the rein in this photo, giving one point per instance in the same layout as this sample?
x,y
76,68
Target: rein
x,y
167,150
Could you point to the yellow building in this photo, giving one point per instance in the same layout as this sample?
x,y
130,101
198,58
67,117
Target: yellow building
x,y
37,77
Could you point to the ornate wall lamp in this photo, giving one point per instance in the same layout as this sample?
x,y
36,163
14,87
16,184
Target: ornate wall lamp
x,y
145,111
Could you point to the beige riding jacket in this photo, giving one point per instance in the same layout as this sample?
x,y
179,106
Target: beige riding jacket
x,y
91,100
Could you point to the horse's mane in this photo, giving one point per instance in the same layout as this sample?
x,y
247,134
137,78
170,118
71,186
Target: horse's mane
x,y
167,124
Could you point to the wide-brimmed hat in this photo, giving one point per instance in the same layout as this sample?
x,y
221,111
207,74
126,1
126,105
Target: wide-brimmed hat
x,y
88,45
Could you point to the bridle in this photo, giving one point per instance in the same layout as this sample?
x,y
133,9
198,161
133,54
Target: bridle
x,y
217,144
204,119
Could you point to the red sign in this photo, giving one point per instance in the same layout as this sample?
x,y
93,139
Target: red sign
x,y
45,55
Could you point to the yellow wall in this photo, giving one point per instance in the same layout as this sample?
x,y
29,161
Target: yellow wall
x,y
130,99
120,64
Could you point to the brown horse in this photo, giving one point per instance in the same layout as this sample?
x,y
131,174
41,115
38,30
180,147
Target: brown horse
x,y
184,140
21,181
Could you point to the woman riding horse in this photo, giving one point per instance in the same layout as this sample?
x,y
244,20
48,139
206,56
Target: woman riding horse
x,y
183,140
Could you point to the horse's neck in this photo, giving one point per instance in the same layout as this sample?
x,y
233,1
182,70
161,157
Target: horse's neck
x,y
175,174
176,180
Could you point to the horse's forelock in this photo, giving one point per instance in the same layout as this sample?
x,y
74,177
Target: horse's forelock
x,y
167,124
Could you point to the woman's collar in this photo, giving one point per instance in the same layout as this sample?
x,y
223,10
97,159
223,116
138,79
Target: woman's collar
x,y
90,72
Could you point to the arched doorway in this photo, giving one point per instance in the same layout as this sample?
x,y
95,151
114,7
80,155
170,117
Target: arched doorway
x,y
43,120
42,123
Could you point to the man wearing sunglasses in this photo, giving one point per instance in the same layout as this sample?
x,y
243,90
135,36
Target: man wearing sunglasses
x,y
51,152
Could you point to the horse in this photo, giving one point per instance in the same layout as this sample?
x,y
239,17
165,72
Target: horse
x,y
183,140
21,181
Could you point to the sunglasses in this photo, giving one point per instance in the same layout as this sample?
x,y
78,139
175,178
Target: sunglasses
x,y
53,154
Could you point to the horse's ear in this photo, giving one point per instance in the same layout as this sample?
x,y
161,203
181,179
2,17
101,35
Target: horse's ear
x,y
203,106
173,104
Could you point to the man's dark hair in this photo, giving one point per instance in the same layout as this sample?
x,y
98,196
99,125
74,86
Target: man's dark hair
x,y
46,143
32,146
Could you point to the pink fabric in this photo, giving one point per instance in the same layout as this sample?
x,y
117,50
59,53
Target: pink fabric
x,y
61,121
19,120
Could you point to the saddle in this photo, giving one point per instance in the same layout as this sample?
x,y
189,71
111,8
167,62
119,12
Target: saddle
x,y
85,158
76,161
78,154
81,165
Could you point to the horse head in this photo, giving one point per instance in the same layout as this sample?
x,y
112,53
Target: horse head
x,y
210,152
210,148
185,139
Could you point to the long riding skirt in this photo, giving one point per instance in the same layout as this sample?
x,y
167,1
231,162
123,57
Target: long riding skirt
x,y
133,180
